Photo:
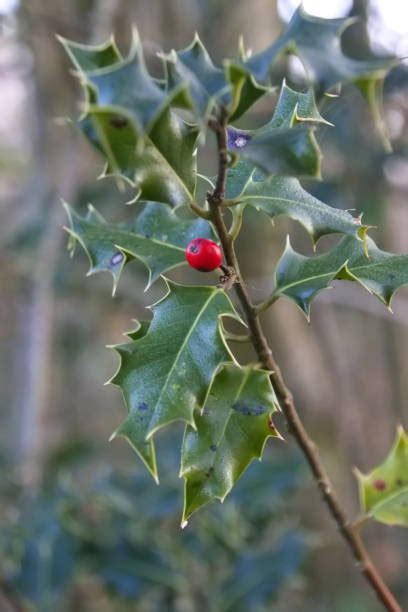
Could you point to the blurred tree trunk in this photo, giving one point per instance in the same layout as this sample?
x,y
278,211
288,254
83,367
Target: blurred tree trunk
x,y
51,178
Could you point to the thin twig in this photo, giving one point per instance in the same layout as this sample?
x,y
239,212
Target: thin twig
x,y
201,212
264,352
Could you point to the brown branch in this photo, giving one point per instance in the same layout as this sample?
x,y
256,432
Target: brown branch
x,y
294,423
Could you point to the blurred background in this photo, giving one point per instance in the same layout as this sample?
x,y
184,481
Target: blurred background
x,y
82,527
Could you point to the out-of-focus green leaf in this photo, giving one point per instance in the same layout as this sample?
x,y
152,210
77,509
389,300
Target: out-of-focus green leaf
x,y
384,490
285,196
157,236
317,43
230,432
301,278
258,577
211,86
165,375
87,58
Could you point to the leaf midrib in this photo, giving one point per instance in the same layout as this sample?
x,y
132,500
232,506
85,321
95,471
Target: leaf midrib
x,y
304,280
227,420
130,235
179,352
351,269
315,205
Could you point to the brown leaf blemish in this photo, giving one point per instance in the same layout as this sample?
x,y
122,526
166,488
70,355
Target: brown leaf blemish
x,y
379,484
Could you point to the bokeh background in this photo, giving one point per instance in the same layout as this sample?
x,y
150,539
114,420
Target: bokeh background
x,y
82,526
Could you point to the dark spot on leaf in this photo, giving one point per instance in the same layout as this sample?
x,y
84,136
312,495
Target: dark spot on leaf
x,y
392,277
116,259
379,484
142,406
213,447
399,482
119,122
247,410
209,472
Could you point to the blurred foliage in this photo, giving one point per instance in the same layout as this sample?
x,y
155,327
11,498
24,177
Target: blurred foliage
x,y
121,533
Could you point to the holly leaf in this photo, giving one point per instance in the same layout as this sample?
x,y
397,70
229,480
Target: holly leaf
x,y
285,196
286,145
211,86
157,236
291,151
301,278
184,342
87,58
295,107
299,154
384,491
229,433
317,43
128,117
163,169
128,85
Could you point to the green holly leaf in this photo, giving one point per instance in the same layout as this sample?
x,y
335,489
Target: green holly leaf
x,y
295,107
211,86
384,491
286,145
291,151
87,58
317,43
302,278
229,433
285,196
184,344
162,167
157,236
128,117
128,85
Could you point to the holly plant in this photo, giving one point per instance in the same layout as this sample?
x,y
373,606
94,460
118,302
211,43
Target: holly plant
x,y
179,364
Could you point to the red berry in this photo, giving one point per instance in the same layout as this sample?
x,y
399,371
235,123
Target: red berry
x,y
203,254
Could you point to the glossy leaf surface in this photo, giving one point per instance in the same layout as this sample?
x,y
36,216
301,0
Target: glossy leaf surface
x,y
230,432
157,236
286,144
165,374
301,278
285,196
